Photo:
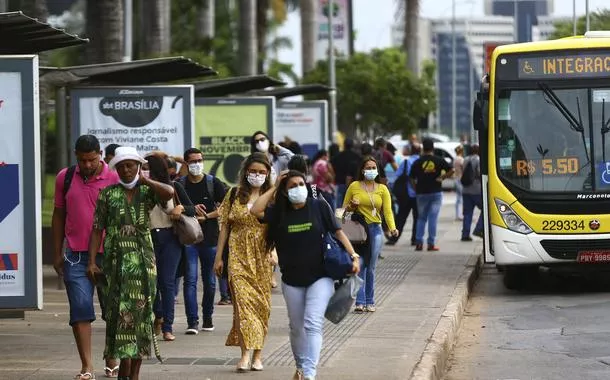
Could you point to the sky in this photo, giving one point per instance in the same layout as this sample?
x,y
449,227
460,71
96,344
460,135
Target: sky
x,y
373,21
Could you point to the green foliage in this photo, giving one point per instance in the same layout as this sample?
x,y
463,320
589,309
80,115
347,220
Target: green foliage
x,y
599,20
378,91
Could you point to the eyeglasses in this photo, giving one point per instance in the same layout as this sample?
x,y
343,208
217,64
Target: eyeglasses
x,y
260,140
259,172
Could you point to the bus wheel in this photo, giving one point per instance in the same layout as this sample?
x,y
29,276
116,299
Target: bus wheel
x,y
517,277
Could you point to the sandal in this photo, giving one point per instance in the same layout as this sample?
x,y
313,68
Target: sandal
x,y
85,376
111,372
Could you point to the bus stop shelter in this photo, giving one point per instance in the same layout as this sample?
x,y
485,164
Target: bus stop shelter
x,y
215,88
25,35
286,92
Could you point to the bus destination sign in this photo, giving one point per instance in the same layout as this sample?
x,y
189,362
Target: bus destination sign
x,y
561,67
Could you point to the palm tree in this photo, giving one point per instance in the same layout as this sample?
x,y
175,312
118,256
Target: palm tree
x,y
105,29
269,14
247,37
206,23
308,34
411,18
38,9
155,26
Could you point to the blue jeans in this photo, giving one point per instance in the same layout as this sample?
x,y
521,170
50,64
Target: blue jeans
x,y
428,208
167,255
306,307
366,294
80,288
341,190
470,202
459,188
194,254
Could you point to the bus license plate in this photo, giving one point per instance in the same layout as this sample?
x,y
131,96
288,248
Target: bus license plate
x,y
600,256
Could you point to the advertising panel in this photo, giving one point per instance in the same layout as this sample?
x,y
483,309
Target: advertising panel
x,y
223,128
148,118
303,122
20,193
341,28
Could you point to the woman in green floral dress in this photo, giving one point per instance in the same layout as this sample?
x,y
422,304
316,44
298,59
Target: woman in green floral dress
x,y
122,211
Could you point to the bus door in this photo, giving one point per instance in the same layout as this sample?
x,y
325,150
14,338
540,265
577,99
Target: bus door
x,y
480,117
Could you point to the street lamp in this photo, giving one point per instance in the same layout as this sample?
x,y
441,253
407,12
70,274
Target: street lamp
x,y
331,71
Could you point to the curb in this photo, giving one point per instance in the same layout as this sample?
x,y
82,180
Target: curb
x,y
433,362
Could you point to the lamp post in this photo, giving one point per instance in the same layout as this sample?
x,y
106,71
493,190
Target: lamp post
x,y
574,17
331,71
587,15
453,78
128,31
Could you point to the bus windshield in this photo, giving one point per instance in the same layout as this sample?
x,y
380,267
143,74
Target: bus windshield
x,y
554,140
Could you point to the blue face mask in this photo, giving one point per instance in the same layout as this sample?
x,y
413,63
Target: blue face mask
x,y
370,174
297,195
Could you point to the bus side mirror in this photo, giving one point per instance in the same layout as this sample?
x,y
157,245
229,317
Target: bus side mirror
x,y
477,114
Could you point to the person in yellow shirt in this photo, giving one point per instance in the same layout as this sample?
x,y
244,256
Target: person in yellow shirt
x,y
372,199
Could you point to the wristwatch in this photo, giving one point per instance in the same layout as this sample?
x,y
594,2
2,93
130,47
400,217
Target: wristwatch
x,y
354,256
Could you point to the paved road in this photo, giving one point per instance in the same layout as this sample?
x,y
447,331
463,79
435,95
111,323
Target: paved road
x,y
558,328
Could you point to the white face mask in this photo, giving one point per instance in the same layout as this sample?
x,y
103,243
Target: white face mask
x,y
297,194
370,174
263,145
131,184
196,169
256,180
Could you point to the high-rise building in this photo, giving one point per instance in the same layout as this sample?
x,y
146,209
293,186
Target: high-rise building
x,y
526,13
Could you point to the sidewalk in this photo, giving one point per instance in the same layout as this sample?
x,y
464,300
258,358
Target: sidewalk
x,y
413,290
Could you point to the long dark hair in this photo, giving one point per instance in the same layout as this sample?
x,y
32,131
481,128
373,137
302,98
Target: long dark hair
x,y
273,149
158,168
281,206
244,188
361,170
321,153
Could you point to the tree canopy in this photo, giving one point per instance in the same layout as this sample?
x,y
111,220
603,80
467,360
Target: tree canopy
x,y
599,20
376,91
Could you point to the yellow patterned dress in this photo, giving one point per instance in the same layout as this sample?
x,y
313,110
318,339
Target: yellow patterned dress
x,y
249,275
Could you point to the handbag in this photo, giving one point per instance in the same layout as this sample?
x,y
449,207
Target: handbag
x,y
337,261
353,229
187,228
343,299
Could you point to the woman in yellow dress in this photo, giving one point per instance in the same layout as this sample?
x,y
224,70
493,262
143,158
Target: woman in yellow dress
x,y
249,261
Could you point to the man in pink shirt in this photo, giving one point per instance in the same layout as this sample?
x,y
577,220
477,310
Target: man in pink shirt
x,y
76,192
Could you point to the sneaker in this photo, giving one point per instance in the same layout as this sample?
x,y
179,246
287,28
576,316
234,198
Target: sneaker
x,y
467,238
433,248
419,247
478,234
192,330
224,301
208,325
370,309
359,309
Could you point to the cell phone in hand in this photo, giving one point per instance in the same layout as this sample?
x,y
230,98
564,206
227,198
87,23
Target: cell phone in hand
x,y
100,279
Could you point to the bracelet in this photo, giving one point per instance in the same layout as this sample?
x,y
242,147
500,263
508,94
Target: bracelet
x,y
354,256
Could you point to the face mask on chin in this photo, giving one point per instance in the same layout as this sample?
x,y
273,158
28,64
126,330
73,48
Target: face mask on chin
x,y
132,184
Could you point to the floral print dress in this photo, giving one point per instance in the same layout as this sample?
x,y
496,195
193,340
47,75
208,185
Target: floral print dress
x,y
129,267
249,274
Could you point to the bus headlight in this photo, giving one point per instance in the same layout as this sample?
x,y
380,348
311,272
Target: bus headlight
x,y
511,219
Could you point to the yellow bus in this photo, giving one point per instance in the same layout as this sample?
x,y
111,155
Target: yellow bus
x,y
543,120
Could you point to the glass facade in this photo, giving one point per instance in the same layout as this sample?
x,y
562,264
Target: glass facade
x,y
527,14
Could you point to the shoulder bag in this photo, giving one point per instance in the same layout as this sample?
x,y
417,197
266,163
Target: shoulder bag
x,y
187,228
337,261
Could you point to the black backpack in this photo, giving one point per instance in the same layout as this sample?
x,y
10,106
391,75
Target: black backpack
x,y
68,179
468,176
400,184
